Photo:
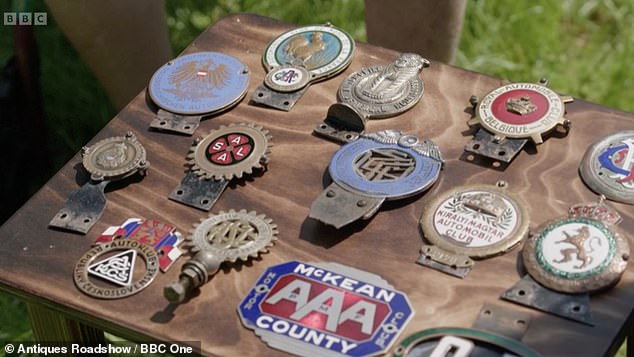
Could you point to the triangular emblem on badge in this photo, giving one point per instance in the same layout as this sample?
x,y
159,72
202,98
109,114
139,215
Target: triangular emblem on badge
x,y
117,269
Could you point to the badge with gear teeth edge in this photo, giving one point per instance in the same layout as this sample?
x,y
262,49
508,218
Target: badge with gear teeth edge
x,y
511,115
224,237
227,153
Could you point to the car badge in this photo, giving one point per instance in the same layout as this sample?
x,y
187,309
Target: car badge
x,y
472,221
228,152
325,309
608,167
108,270
223,237
108,160
162,236
373,93
511,115
195,85
299,57
386,165
570,257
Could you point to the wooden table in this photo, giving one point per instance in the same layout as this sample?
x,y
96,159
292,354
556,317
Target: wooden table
x,y
37,262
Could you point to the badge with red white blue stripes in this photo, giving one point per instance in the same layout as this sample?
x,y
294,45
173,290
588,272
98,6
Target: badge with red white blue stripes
x,y
162,236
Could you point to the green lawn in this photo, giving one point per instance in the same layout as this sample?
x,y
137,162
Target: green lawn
x,y
585,48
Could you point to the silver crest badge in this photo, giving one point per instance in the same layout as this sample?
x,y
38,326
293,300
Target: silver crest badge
x,y
373,93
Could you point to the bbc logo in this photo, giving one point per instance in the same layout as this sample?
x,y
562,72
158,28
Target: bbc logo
x,y
25,18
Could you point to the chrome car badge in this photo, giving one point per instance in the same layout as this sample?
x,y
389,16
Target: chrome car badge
x,y
386,165
472,221
299,57
608,167
195,85
325,309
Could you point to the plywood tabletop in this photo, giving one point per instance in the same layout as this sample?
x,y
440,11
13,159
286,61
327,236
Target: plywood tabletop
x,y
37,262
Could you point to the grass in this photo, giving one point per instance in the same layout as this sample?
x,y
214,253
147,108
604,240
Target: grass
x,y
584,47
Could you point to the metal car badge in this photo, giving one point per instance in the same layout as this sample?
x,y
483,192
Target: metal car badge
x,y
325,309
473,221
386,165
299,57
226,153
608,167
511,115
108,160
572,256
162,236
459,341
373,93
112,270
223,237
195,85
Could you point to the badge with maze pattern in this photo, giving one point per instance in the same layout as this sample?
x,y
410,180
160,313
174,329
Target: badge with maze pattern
x,y
386,165
325,309
162,236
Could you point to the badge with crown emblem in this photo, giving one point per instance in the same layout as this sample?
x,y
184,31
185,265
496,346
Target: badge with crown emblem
x,y
570,257
473,221
511,115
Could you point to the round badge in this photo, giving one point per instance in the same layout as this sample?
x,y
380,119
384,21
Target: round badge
x,y
461,342
112,270
230,151
287,78
385,91
575,255
199,83
323,50
115,157
521,110
386,164
476,220
608,167
234,235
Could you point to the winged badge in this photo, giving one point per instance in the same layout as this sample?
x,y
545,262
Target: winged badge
x,y
198,79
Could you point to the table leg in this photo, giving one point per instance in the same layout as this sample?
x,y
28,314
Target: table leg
x,y
51,326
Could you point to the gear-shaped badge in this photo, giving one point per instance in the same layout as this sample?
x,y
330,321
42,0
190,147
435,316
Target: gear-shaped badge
x,y
229,152
511,115
195,85
223,237
108,160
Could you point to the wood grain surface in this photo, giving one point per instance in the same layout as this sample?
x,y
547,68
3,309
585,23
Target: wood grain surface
x,y
37,262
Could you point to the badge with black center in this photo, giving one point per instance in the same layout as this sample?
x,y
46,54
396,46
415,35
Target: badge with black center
x,y
570,257
298,58
162,236
192,86
473,221
223,237
386,165
373,93
229,152
511,115
496,333
325,309
108,160
608,167
116,269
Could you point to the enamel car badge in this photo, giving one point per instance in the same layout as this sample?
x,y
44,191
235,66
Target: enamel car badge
x,y
195,85
608,167
570,257
162,236
473,221
325,309
385,165
511,115
299,57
